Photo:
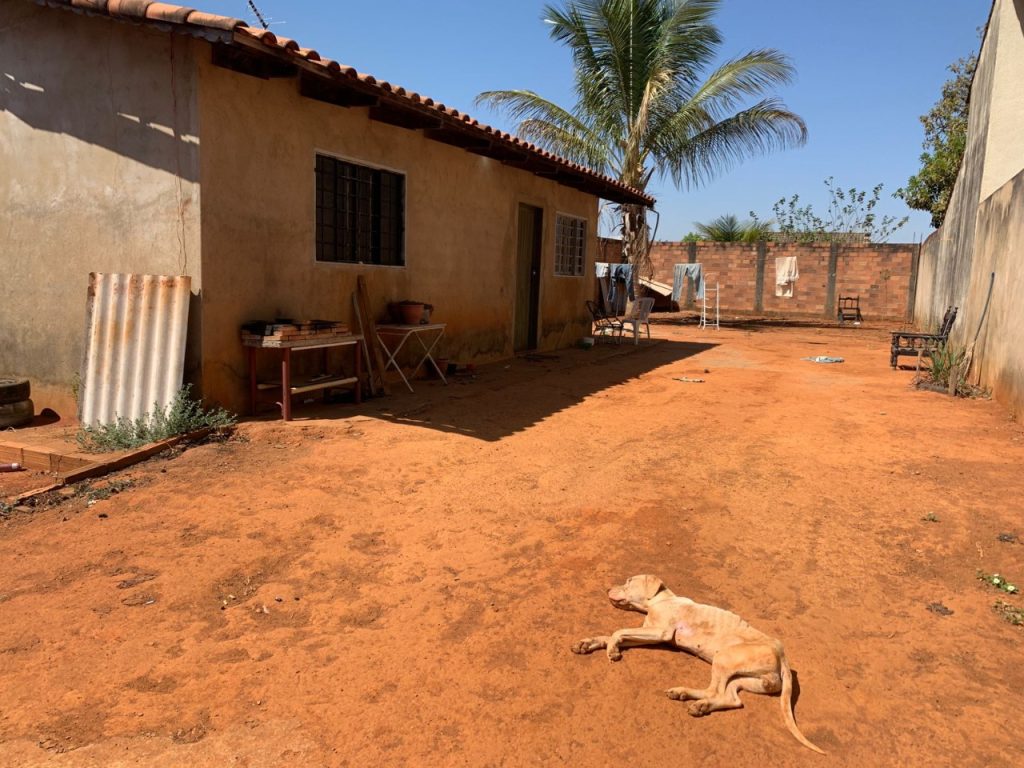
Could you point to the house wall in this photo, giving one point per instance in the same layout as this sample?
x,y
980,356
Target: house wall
x,y
99,160
984,228
882,275
259,141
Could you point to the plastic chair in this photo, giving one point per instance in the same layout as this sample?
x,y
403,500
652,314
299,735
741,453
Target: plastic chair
x,y
640,315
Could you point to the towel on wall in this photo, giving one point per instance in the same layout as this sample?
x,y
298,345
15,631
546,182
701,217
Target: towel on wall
x,y
786,274
679,274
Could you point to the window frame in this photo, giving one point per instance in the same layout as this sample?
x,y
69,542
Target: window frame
x,y
375,167
583,238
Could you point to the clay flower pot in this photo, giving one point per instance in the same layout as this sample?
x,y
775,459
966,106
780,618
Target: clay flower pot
x,y
410,312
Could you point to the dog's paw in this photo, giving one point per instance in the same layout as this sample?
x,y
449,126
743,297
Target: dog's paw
x,y
614,654
676,694
583,647
700,708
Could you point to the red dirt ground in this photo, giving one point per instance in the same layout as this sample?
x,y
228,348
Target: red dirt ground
x,y
399,583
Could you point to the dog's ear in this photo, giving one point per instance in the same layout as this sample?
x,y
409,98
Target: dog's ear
x,y
652,586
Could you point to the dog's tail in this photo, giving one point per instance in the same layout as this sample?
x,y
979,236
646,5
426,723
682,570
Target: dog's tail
x,y
786,699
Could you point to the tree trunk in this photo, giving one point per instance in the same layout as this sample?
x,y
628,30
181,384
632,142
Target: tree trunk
x,y
636,245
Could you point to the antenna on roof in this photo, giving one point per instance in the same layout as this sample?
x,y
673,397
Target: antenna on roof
x,y
259,16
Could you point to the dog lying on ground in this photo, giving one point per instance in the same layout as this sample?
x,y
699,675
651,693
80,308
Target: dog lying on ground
x,y
742,659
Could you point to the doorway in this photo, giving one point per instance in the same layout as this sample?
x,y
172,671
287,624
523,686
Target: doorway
x,y
528,250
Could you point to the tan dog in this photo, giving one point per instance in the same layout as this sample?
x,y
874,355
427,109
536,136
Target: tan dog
x,y
742,659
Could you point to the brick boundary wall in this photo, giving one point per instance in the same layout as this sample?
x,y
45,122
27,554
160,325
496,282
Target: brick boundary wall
x,y
883,275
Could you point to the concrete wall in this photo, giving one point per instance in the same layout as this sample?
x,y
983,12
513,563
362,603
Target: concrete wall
x,y
882,275
98,171
1005,153
260,138
983,230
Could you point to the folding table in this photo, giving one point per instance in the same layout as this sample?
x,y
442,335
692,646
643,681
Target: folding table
x,y
399,334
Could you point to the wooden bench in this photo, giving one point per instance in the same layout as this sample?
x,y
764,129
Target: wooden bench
x,y
848,308
922,344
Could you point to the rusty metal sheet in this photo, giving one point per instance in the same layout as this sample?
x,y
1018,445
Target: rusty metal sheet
x,y
134,359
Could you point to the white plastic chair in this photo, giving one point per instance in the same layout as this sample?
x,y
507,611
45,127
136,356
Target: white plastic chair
x,y
640,315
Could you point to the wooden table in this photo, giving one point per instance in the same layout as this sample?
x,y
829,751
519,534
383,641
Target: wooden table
x,y
287,386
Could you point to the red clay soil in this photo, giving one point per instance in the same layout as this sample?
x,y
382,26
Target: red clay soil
x,y
399,583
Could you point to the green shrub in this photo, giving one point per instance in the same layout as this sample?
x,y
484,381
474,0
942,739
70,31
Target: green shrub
x,y
182,416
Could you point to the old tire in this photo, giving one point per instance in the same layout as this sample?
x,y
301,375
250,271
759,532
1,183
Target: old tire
x,y
14,390
16,414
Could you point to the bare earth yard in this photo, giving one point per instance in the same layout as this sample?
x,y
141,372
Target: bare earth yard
x,y
400,583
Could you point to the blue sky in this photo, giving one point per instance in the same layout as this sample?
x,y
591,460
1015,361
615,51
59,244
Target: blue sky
x,y
866,71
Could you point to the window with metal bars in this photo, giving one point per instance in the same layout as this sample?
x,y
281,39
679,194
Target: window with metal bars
x,y
360,213
570,245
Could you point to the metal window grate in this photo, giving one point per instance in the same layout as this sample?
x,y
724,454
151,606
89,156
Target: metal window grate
x,y
570,245
360,213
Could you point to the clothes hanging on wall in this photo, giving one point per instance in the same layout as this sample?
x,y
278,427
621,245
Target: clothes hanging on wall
x,y
620,283
679,274
786,274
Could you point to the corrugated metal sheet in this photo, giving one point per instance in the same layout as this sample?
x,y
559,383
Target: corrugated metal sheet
x,y
134,345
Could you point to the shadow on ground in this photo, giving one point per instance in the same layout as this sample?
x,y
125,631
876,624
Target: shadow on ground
x,y
510,396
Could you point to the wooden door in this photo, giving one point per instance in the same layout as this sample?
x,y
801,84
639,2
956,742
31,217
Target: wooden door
x,y
531,227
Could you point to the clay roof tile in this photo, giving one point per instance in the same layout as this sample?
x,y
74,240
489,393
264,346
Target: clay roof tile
x,y
135,9
167,13
215,21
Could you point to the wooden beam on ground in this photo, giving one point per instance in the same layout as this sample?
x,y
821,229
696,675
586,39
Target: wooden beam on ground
x,y
101,468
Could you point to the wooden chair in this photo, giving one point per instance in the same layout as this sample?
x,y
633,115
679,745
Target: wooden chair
x,y
922,344
848,308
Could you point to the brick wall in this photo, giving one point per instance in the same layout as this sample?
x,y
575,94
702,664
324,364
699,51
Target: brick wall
x,y
883,275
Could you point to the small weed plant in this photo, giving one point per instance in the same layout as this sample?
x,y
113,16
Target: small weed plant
x,y
998,582
949,364
931,517
182,416
1011,613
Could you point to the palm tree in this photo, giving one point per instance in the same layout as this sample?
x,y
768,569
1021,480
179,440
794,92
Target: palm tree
x,y
645,106
729,229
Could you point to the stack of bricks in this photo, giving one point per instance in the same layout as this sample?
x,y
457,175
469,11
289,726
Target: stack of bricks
x,y
294,334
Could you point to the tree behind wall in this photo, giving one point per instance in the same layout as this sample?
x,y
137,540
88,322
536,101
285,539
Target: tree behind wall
x,y
729,229
945,138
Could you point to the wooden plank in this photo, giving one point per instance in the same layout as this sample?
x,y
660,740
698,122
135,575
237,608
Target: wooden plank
x,y
22,497
40,459
101,468
366,349
370,332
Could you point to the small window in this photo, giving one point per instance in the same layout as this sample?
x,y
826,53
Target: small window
x,y
570,245
360,213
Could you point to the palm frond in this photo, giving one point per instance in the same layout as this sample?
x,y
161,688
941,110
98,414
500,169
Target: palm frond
x,y
550,126
758,130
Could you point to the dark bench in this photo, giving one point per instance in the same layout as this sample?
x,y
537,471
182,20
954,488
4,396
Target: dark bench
x,y
922,344
848,308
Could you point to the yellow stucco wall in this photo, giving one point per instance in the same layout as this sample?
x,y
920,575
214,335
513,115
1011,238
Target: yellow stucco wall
x,y
258,145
